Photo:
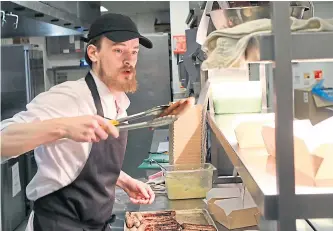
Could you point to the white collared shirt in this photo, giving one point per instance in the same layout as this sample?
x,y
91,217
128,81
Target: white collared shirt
x,y
60,162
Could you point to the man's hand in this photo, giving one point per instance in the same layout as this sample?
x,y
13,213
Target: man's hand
x,y
87,128
139,192
179,108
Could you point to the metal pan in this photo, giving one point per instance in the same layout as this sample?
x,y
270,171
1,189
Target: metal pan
x,y
193,216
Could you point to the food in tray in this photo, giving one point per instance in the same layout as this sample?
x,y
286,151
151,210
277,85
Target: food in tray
x,y
160,221
187,226
152,221
160,214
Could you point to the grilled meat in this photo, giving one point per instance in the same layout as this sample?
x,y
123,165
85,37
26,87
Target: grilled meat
x,y
198,227
139,216
129,220
161,227
161,221
142,227
137,223
159,214
158,220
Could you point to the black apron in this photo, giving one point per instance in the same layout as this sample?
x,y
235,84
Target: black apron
x,y
85,204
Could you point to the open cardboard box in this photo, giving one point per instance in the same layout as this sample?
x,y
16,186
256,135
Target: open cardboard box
x,y
248,129
185,138
313,152
187,135
313,146
312,107
233,208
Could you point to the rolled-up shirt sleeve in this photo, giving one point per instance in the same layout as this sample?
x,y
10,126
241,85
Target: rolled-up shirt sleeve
x,y
59,101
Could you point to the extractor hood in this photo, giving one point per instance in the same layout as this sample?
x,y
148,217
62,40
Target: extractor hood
x,y
68,15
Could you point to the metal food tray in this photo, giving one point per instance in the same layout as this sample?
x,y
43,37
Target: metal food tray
x,y
193,216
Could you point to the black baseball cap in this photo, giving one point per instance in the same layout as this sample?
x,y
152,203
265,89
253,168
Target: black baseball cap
x,y
118,28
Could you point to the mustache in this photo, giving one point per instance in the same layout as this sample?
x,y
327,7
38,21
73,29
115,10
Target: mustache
x,y
128,68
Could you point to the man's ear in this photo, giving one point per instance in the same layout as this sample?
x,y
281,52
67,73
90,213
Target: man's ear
x,y
92,53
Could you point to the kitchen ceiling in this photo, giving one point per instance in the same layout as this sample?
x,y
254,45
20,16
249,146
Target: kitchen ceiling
x,y
135,7
68,14
48,18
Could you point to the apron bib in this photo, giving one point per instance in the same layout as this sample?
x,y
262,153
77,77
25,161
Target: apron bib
x,y
85,204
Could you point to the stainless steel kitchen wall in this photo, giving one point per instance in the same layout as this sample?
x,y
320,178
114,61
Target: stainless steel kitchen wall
x,y
153,75
22,78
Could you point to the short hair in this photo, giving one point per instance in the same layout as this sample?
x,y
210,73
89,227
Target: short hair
x,y
97,41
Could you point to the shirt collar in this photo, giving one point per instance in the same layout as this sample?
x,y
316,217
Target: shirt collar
x,y
121,98
103,90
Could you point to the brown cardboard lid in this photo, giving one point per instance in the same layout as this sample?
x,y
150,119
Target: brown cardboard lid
x,y
224,193
234,212
231,205
320,102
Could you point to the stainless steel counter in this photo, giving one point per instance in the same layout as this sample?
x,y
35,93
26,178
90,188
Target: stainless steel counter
x,y
322,224
163,203
261,185
251,166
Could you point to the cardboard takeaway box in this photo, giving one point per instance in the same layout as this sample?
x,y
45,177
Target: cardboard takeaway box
x,y
248,129
313,147
313,152
233,208
312,107
185,138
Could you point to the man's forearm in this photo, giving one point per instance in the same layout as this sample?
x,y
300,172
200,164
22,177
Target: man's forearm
x,y
20,138
123,180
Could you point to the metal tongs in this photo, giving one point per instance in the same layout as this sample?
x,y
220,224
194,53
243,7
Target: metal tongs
x,y
123,123
158,185
151,161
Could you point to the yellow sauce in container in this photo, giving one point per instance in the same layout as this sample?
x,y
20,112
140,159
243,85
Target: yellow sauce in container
x,y
189,182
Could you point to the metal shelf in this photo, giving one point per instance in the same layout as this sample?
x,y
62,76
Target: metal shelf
x,y
312,202
279,200
322,224
65,68
304,46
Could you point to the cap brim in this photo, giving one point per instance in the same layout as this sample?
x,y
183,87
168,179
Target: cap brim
x,y
123,36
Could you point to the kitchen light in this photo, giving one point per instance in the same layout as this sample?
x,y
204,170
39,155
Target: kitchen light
x,y
103,9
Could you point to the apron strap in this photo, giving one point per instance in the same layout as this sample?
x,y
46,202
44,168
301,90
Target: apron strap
x,y
93,88
97,100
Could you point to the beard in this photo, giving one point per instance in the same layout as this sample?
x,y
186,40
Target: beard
x,y
127,84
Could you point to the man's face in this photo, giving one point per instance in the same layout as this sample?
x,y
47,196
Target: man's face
x,y
115,64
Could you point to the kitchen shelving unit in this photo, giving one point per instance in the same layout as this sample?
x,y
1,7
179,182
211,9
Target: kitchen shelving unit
x,y
279,202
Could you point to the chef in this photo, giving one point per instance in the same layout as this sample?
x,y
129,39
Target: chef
x,y
80,155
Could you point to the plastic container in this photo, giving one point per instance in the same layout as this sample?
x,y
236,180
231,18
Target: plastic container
x,y
237,97
188,181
